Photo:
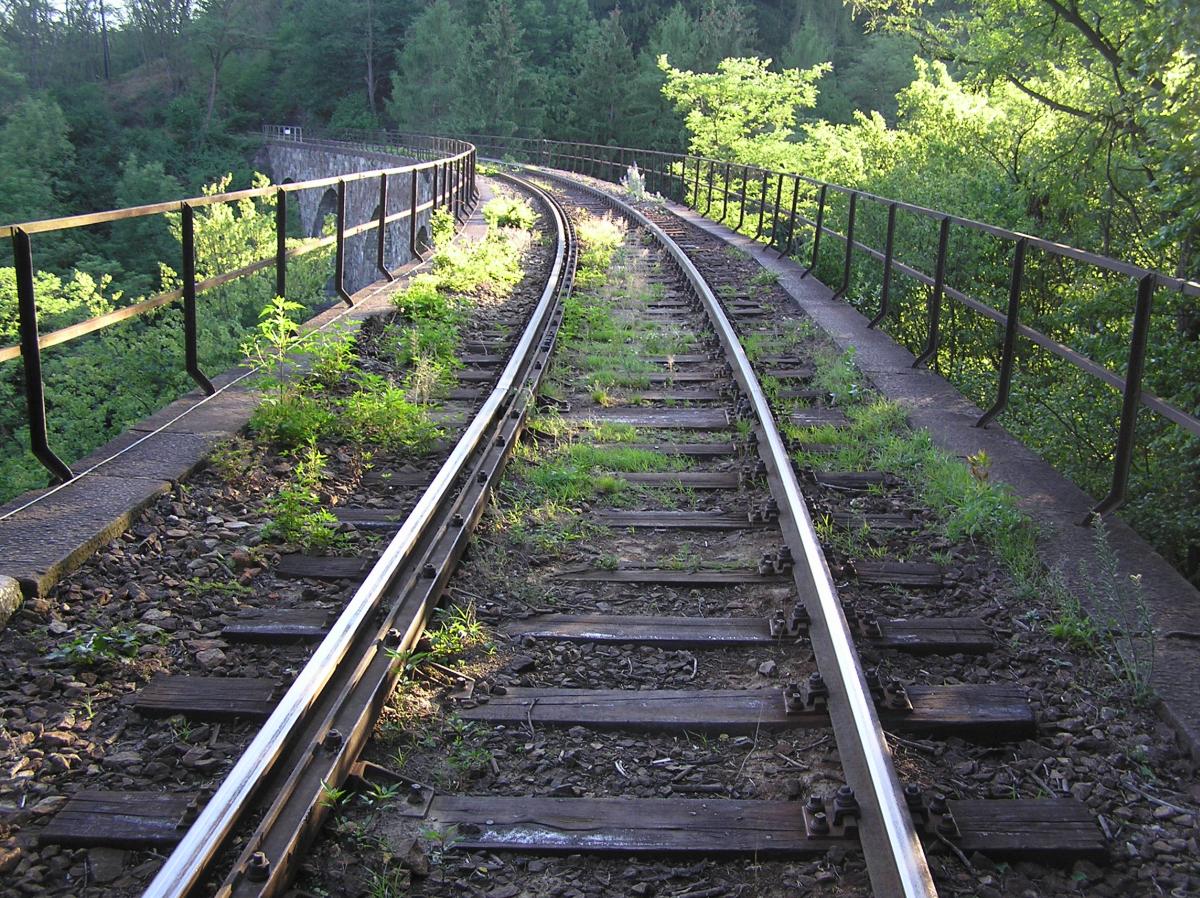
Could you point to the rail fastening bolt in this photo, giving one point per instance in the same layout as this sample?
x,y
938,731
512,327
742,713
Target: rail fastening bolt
x,y
258,868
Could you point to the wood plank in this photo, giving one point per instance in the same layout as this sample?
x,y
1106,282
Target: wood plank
x,y
985,713
852,481
683,358
803,393
660,575
371,518
643,629
475,375
480,359
804,373
898,573
279,625
936,635
856,521
323,567
967,635
120,820
1050,829
467,393
980,713
693,450
207,698
658,418
711,375
695,395
627,825
675,520
819,417
416,479
697,480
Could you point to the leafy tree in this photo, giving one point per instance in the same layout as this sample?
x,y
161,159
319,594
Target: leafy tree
x,y
742,112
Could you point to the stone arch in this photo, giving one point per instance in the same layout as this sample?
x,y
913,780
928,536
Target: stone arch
x,y
295,219
326,207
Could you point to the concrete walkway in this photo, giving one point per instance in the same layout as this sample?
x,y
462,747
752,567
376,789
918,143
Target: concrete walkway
x,y
1049,498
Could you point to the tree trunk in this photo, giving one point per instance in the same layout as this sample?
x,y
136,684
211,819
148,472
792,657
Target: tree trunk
x,y
212,93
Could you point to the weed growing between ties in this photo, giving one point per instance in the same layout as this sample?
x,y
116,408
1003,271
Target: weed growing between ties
x,y
970,507
319,401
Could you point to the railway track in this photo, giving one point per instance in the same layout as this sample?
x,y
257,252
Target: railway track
x,y
675,667
720,480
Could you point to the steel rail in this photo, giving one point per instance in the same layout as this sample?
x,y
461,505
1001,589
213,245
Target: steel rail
x,y
894,854
186,865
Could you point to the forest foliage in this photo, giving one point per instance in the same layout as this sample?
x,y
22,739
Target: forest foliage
x,y
1076,121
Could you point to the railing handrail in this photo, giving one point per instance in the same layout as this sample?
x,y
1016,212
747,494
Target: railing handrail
x,y
684,171
1118,266
68,222
450,160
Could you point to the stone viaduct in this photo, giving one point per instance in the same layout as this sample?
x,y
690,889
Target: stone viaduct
x,y
289,161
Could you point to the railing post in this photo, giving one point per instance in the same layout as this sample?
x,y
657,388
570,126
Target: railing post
x,y
456,189
1127,431
708,203
725,195
888,247
849,246
339,265
792,217
817,230
191,354
696,186
935,299
433,193
1008,353
380,257
742,199
762,206
31,359
412,215
281,242
775,214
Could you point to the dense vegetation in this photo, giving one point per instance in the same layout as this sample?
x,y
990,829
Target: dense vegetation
x,y
1075,121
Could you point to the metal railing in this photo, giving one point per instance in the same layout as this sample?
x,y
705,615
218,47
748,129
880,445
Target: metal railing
x,y
774,197
449,162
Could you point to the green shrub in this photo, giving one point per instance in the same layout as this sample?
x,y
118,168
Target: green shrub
x,y
509,212
379,414
291,422
297,515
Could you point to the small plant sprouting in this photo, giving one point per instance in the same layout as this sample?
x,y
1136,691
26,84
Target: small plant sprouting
x,y
232,458
764,278
981,465
381,793
275,338
113,644
1122,614
297,516
332,796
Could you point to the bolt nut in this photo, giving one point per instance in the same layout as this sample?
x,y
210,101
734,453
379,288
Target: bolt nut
x,y
258,868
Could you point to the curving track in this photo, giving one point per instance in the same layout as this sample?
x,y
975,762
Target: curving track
x,y
717,411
